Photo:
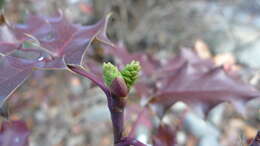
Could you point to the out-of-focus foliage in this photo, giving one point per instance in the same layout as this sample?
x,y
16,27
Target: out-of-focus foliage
x,y
14,133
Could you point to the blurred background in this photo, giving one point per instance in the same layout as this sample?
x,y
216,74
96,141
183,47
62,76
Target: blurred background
x,y
61,108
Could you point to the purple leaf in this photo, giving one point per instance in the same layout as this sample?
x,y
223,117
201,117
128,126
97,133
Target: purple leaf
x,y
58,39
13,73
14,133
198,82
185,56
34,25
58,43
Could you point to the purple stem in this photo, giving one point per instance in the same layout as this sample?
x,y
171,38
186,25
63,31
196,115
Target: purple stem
x,y
129,141
79,70
118,125
115,105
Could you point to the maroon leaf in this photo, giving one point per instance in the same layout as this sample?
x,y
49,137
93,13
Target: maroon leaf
x,y
58,39
165,136
120,52
13,73
34,25
148,63
198,82
185,56
57,42
94,67
14,133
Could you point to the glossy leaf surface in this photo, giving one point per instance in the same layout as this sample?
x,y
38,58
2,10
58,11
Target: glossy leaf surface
x,y
54,43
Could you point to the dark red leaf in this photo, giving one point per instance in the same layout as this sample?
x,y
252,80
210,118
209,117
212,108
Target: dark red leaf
x,y
13,73
198,82
14,133
57,38
57,42
185,56
34,25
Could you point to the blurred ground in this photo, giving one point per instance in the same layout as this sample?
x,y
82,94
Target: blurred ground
x,y
62,108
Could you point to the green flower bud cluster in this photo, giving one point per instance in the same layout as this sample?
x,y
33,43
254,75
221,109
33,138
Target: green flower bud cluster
x,y
129,73
110,72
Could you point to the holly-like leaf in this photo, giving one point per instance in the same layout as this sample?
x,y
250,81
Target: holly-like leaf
x,y
197,82
59,39
14,133
56,42
165,136
187,78
185,56
13,73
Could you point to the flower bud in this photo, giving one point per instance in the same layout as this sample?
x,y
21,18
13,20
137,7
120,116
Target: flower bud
x,y
119,87
110,72
130,73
